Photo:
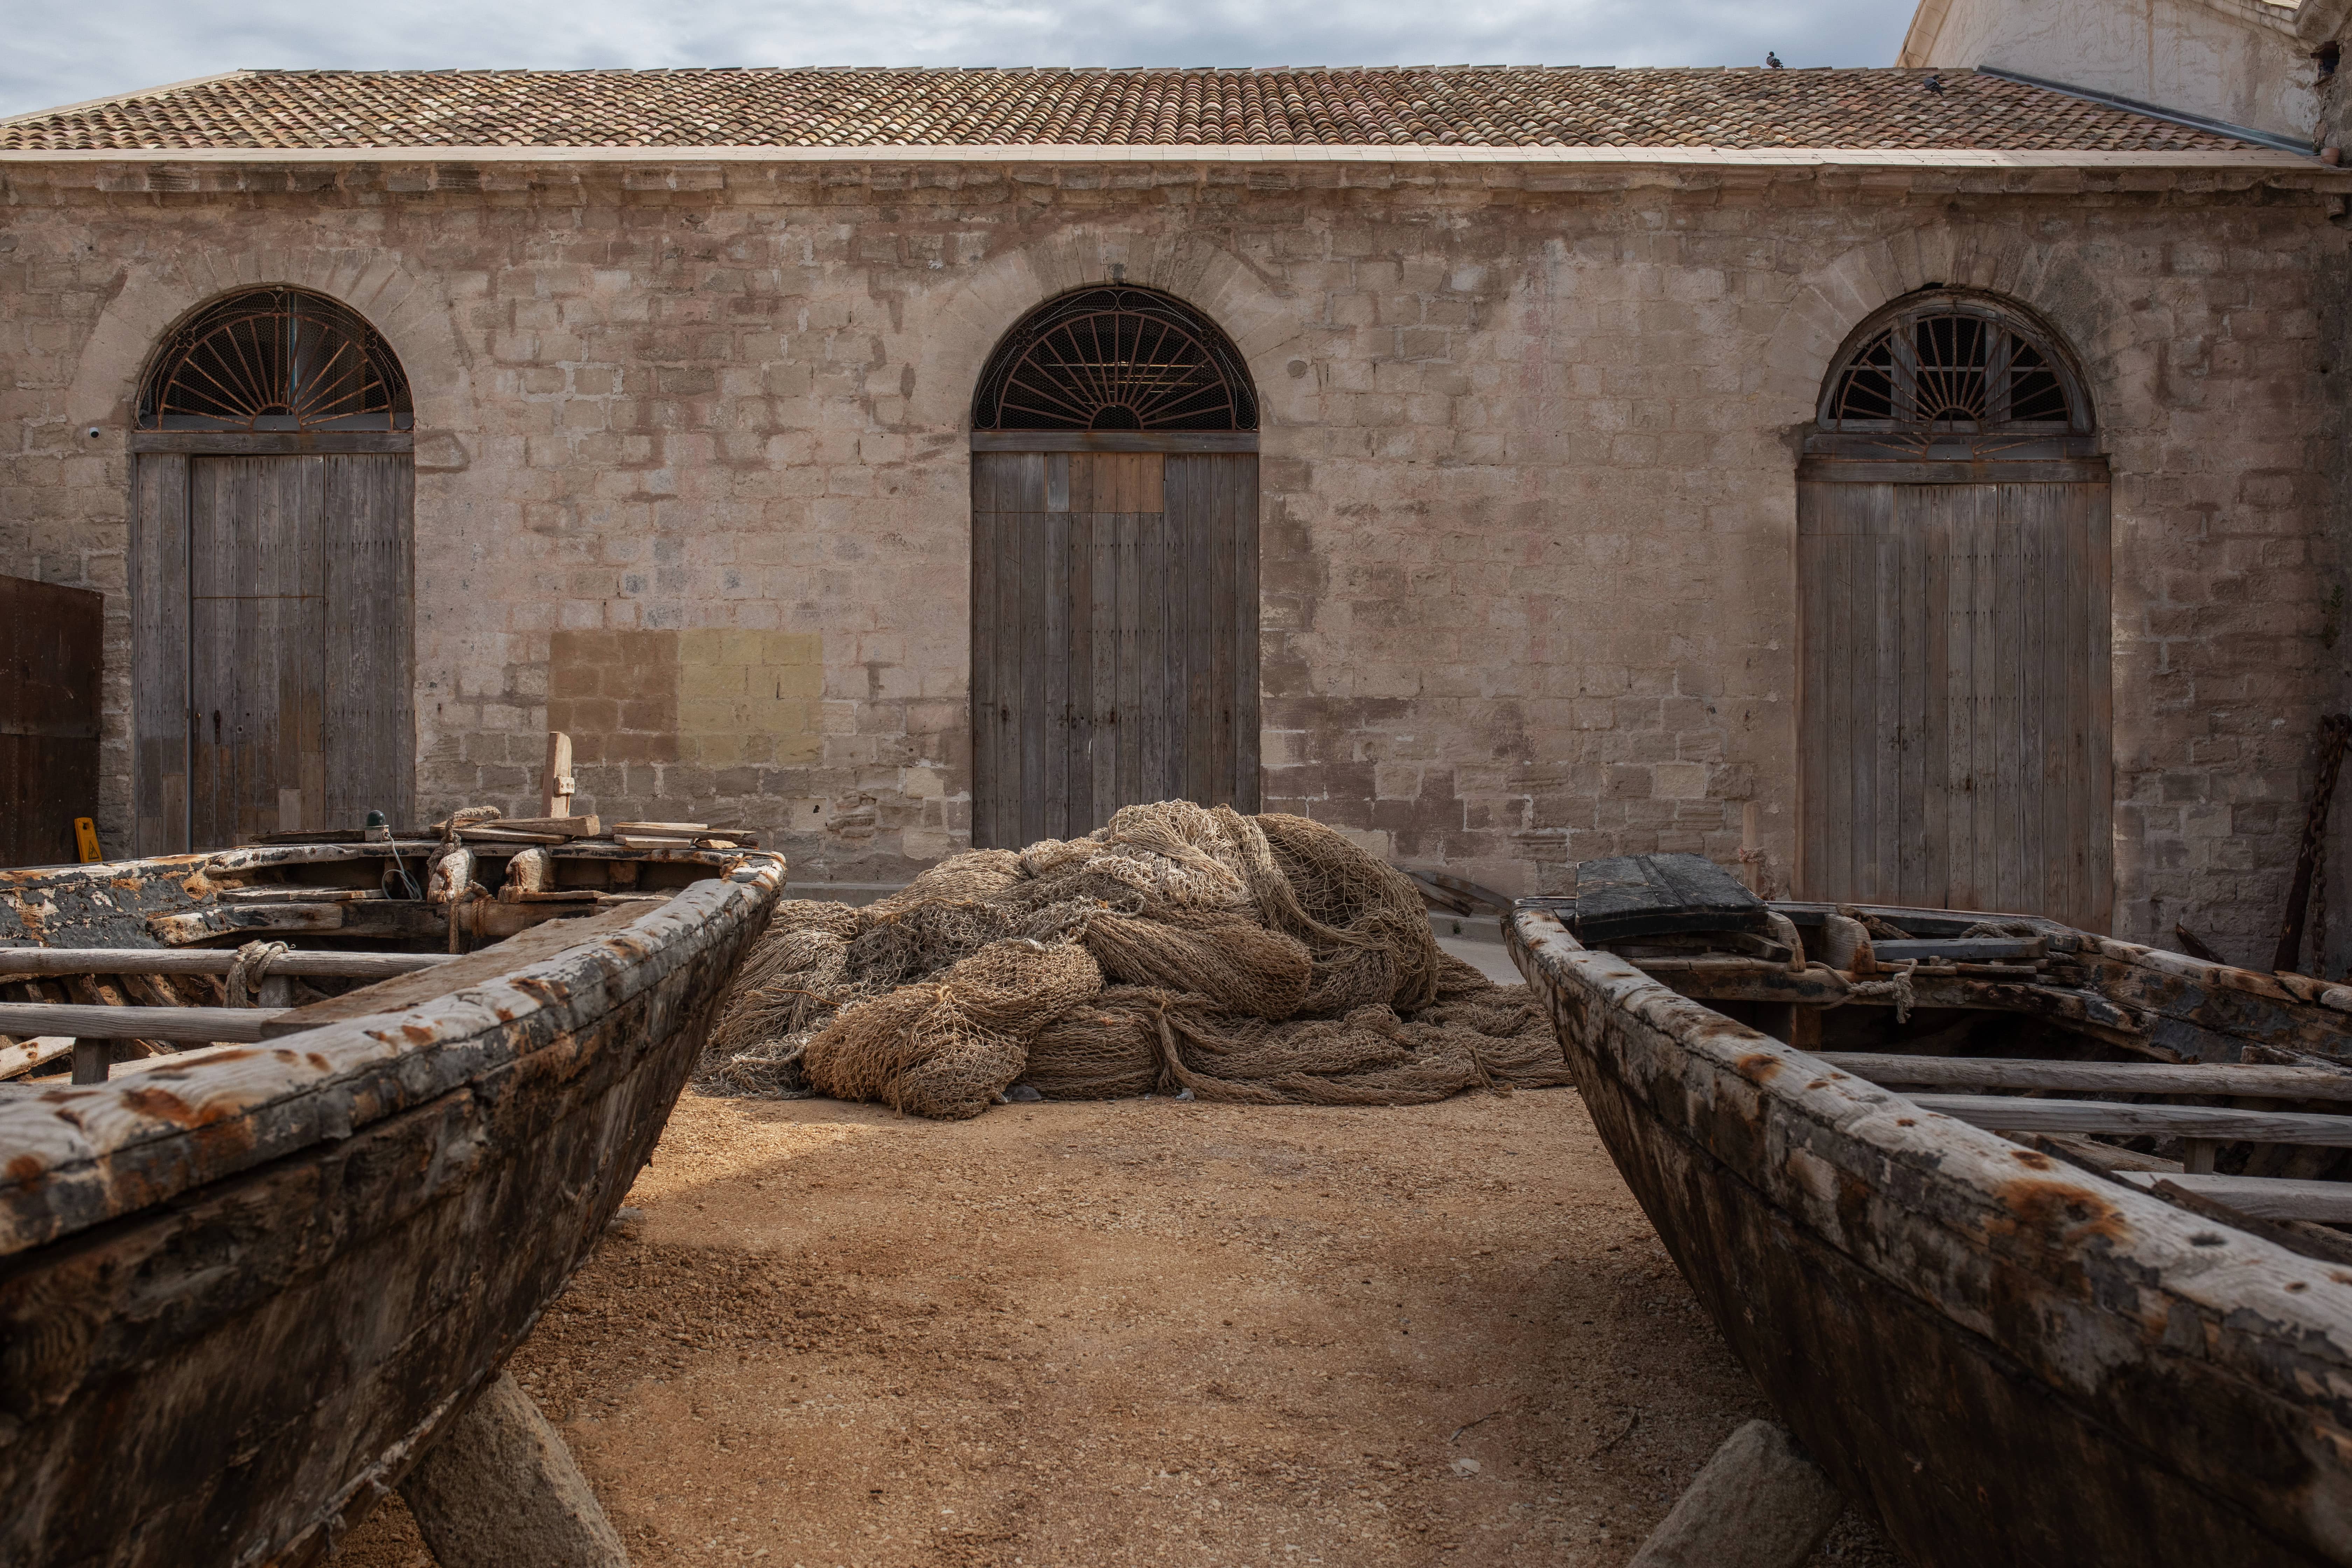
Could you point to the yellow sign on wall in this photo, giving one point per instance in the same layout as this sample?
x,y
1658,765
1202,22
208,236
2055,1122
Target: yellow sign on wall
x,y
86,839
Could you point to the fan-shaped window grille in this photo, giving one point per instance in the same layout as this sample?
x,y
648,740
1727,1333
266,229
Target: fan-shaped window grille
x,y
275,359
1115,359
1950,365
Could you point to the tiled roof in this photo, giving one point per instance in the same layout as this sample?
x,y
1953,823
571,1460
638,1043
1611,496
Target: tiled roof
x,y
1475,106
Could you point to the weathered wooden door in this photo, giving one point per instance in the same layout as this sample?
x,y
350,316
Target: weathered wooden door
x,y
1115,632
271,482
1954,711
52,653
273,636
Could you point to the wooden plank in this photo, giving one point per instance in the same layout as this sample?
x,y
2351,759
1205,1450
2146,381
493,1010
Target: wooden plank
x,y
256,443
487,965
2265,1197
2018,668
2091,811
21,1057
1114,441
1132,723
1052,647
985,697
2002,1114
1106,633
1882,614
208,1024
212,961
1930,529
1221,632
1907,595
1032,652
1191,521
1157,707
1930,472
1248,610
1970,759
159,653
364,756
1814,696
2246,1080
1078,662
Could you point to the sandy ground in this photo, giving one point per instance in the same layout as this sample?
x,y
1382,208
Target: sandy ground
x,y
1136,1332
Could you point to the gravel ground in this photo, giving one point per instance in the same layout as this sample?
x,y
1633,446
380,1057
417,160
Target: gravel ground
x,y
1135,1332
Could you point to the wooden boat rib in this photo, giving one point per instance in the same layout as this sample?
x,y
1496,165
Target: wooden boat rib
x,y
2080,1343
240,1293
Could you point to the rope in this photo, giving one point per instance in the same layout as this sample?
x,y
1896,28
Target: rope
x,y
1897,990
250,968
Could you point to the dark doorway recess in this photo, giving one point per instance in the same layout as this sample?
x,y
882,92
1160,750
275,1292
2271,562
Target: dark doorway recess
x,y
52,653
271,575
1115,568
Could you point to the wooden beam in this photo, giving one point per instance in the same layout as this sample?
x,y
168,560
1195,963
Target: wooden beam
x,y
557,785
2003,1113
2101,1077
26,1055
205,1024
207,961
2259,1195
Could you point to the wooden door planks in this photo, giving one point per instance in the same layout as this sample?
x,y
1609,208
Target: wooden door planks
x,y
365,740
1114,637
1952,685
297,647
159,643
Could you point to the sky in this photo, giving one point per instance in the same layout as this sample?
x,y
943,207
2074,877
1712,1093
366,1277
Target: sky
x,y
63,54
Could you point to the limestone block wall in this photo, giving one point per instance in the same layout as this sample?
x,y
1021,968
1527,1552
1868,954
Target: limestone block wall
x,y
692,469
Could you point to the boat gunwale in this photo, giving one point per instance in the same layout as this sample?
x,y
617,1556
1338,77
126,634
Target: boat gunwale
x,y
74,1157
2275,1320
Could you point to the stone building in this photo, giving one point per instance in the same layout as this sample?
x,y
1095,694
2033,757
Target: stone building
x,y
1924,487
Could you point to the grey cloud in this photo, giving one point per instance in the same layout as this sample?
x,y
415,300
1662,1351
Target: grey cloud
x,y
61,54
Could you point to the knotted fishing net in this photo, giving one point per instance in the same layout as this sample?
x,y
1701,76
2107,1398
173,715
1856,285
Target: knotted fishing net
x,y
1261,959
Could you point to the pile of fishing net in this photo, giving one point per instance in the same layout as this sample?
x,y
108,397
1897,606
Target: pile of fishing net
x,y
1261,959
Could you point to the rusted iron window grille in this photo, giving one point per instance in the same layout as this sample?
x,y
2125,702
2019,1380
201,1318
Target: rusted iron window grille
x,y
275,359
1942,371
1115,359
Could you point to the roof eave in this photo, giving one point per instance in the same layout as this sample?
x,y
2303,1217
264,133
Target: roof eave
x,y
2253,158
112,98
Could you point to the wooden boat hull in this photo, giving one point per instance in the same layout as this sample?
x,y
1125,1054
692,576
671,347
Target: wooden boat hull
x,y
239,1299
2011,1361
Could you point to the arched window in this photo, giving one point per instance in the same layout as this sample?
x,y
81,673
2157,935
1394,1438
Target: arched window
x,y
1114,359
1945,364
275,359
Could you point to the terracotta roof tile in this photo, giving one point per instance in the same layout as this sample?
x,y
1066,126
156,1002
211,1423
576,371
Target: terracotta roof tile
x,y
1475,106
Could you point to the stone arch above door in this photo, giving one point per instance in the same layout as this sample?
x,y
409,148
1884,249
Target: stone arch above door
x,y
1953,587
271,573
1115,566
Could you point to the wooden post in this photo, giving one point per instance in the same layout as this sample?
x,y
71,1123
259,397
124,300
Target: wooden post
x,y
93,1060
556,789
